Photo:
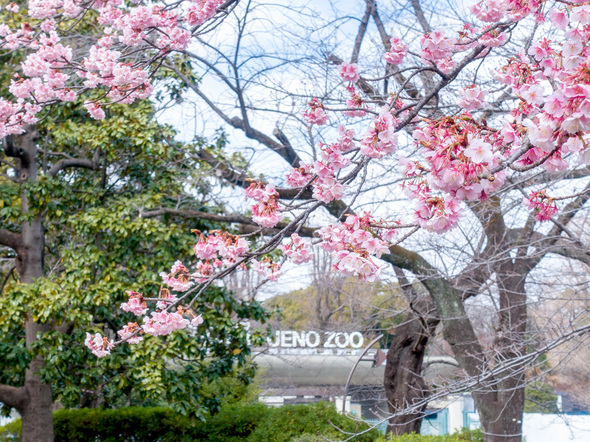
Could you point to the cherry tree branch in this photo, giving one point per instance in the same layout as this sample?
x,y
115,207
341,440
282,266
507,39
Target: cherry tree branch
x,y
361,31
238,219
420,16
283,148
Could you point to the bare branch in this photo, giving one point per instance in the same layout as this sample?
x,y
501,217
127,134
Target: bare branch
x,y
238,219
420,16
362,30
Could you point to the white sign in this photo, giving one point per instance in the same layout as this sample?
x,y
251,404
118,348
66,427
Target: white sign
x,y
313,339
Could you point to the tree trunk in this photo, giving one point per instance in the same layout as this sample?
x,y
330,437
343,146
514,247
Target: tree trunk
x,y
37,418
36,403
404,384
502,418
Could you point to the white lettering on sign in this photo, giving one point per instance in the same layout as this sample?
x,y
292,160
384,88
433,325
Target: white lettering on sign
x,y
313,339
287,339
316,339
359,340
298,339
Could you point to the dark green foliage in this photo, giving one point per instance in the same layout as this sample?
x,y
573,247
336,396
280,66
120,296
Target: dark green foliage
x,y
235,423
99,244
119,425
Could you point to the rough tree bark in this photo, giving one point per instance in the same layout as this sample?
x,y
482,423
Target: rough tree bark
x,y
403,381
33,400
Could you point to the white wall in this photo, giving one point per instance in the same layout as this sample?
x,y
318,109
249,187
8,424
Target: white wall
x,y
556,428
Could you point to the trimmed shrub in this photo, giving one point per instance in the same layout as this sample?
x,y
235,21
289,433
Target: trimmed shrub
x,y
294,421
464,436
234,423
132,424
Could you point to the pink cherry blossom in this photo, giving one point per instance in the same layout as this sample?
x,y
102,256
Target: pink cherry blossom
x,y
297,250
299,176
479,151
558,17
266,211
178,279
381,139
95,110
163,323
266,268
489,10
315,114
196,321
328,189
472,98
397,52
543,206
99,345
349,72
12,7
356,105
135,305
130,334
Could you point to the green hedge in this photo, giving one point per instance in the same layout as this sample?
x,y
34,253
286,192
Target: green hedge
x,y
464,436
235,423
133,424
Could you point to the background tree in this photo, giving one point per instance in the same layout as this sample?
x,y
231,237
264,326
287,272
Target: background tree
x,y
336,302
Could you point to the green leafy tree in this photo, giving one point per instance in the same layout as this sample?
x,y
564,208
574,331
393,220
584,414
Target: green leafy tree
x,y
83,209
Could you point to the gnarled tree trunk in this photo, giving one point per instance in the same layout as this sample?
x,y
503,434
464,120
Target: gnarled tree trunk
x,y
404,384
405,388
33,400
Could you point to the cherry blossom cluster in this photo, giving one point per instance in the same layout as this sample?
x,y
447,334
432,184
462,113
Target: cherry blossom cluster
x,y
354,243
136,304
437,214
179,278
380,140
315,113
163,323
323,173
300,176
99,344
543,206
266,210
458,154
298,251
397,52
356,106
53,70
496,10
130,333
472,98
459,158
216,252
349,72
267,268
438,49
